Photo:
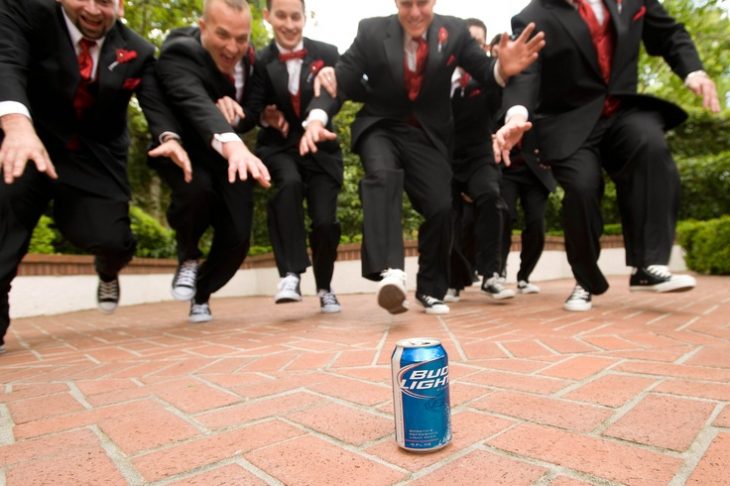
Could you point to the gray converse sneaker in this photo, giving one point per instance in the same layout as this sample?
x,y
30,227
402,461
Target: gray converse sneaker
x,y
452,296
199,312
525,287
183,283
432,305
107,295
288,289
328,302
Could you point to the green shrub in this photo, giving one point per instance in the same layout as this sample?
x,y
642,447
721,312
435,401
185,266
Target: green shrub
x,y
153,239
705,186
706,245
44,235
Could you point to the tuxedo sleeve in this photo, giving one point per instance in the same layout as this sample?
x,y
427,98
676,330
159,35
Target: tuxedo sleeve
x,y
330,56
182,72
257,97
154,103
474,60
664,36
15,34
524,88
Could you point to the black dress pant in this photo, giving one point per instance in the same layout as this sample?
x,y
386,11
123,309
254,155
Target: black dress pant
x,y
398,156
632,149
209,200
95,223
479,178
520,182
295,179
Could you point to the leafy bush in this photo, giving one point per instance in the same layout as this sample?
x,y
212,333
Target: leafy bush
x,y
706,245
153,239
705,186
44,235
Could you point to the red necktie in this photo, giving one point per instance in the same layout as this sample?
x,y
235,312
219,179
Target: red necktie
x,y
603,40
288,56
413,79
83,98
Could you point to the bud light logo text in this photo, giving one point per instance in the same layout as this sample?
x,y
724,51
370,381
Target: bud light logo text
x,y
418,380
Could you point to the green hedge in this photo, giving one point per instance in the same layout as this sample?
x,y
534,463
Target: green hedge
x,y
44,237
706,245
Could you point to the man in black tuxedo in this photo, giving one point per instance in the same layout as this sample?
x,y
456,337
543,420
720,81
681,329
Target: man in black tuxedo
x,y
68,70
401,67
581,95
477,176
284,76
206,72
531,182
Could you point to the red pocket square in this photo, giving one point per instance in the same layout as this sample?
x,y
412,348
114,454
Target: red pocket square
x,y
475,92
131,83
451,61
640,13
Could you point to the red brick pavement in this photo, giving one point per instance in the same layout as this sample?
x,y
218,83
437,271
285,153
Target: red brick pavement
x,y
635,392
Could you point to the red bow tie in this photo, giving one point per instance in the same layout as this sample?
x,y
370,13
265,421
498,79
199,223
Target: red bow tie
x,y
288,56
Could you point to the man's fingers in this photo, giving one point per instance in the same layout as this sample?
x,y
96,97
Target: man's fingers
x,y
526,33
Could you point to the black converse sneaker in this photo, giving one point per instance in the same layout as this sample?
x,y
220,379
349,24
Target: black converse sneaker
x,y
658,278
494,288
452,296
328,302
579,300
183,283
199,312
432,305
107,295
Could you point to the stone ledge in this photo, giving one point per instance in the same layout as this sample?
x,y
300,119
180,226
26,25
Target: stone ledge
x,y
38,265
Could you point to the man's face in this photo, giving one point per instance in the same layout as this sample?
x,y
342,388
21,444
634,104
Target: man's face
x,y
479,35
93,18
415,15
287,20
224,33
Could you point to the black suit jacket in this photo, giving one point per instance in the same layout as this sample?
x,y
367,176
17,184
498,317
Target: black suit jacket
x,y
474,109
372,71
564,90
193,84
270,86
38,68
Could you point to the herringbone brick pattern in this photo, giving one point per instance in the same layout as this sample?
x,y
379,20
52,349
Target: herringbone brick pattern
x,y
635,392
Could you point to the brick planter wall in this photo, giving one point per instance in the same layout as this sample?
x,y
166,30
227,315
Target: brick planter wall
x,y
35,264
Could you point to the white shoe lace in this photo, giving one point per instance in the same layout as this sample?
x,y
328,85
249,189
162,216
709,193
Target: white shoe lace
x,y
200,309
496,283
109,291
288,283
431,301
187,274
579,293
661,271
328,298
395,274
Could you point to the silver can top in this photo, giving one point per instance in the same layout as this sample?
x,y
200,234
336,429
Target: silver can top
x,y
418,342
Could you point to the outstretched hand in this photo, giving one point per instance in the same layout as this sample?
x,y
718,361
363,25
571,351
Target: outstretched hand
x,y
702,85
314,133
516,55
21,144
175,152
242,162
326,79
507,137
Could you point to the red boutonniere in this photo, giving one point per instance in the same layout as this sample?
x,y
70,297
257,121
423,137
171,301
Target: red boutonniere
x,y
251,59
443,37
314,69
122,56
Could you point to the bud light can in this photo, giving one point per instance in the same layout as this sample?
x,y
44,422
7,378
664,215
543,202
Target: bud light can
x,y
421,407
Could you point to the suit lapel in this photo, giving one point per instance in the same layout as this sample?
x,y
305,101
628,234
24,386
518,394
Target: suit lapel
x,y
621,28
305,88
67,58
434,56
111,77
393,44
576,27
279,77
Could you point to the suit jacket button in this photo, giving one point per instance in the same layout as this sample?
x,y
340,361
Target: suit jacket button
x,y
537,152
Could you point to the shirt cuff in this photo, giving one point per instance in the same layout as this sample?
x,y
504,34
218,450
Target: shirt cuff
x,y
317,114
220,138
500,81
165,136
516,110
13,108
694,74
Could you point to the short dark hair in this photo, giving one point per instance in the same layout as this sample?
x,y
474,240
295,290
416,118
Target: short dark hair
x,y
268,5
472,22
497,38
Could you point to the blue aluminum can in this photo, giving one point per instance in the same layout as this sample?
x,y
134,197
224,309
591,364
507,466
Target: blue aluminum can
x,y
420,368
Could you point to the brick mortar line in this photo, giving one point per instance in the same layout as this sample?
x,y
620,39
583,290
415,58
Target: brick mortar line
x,y
182,415
710,310
658,318
381,345
340,444
6,426
438,465
687,324
75,392
257,471
621,411
118,458
371,409
215,465
578,320
595,348
454,340
689,354
585,381
552,468
696,451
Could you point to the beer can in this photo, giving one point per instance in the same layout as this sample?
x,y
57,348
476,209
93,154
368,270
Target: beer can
x,y
420,369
